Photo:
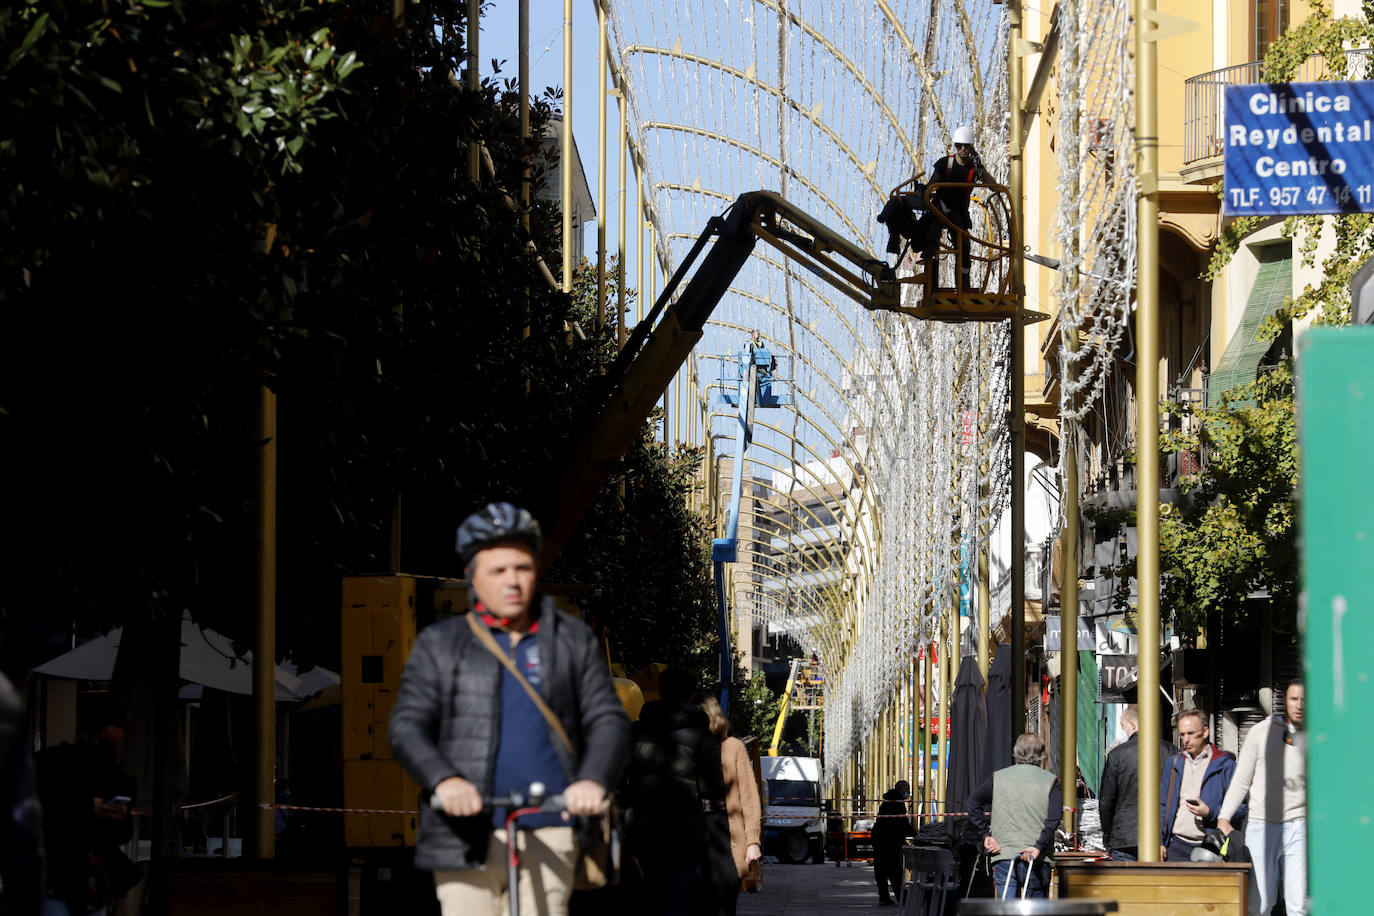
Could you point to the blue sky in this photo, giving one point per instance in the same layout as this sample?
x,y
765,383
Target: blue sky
x,y
500,40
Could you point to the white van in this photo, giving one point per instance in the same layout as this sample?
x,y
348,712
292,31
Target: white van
x,y
794,824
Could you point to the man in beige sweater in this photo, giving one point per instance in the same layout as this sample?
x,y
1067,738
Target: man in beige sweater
x,y
1273,769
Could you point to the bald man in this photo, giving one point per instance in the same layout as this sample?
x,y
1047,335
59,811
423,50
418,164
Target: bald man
x,y
1117,802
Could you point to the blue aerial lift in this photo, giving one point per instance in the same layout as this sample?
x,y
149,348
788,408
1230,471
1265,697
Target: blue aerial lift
x,y
748,382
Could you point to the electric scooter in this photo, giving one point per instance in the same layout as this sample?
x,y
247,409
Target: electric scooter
x,y
517,805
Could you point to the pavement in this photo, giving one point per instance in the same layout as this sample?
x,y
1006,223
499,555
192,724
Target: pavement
x,y
814,890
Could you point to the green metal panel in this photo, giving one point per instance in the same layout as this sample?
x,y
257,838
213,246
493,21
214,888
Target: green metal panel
x,y
1089,744
1273,284
1336,436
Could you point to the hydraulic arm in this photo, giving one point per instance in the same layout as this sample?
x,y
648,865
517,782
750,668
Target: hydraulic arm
x,y
662,341
785,708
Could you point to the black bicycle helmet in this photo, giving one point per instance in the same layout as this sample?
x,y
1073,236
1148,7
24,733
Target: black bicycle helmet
x,y
494,523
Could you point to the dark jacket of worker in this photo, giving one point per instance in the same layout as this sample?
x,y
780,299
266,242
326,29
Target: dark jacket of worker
x,y
1117,802
893,824
446,722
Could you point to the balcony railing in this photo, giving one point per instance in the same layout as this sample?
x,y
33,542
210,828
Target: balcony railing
x,y
1204,102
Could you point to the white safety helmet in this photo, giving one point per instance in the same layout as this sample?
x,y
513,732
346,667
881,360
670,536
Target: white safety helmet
x,y
964,134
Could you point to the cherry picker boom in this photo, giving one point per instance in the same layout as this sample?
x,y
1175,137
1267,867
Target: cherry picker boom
x,y
661,342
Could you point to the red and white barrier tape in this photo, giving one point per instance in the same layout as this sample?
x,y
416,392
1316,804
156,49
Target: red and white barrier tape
x,y
856,815
319,810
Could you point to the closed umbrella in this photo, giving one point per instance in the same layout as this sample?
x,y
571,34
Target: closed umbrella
x,y
968,742
1000,736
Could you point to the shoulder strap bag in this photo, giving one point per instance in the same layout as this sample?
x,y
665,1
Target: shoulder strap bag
x,y
598,860
1168,829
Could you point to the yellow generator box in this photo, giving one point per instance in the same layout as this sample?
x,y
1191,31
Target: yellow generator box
x,y
378,632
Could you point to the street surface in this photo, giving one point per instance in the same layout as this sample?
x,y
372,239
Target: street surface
x,y
814,890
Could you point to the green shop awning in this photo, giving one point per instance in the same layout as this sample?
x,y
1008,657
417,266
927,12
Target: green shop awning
x,y
1273,284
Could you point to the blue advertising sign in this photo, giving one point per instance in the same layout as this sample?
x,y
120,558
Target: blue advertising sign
x,y
1299,148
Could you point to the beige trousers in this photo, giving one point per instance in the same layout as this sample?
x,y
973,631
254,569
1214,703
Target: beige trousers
x,y
547,857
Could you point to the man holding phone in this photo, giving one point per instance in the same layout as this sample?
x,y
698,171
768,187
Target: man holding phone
x,y
85,795
1193,784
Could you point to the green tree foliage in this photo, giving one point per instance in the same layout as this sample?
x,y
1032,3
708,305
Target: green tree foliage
x,y
642,544
148,151
754,709
206,198
1237,531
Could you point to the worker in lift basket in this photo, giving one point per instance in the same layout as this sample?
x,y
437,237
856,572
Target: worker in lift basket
x,y
964,167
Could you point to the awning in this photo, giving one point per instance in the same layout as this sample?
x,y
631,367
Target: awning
x,y
1240,360
207,659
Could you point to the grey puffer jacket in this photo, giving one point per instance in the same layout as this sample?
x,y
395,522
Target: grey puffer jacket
x,y
446,721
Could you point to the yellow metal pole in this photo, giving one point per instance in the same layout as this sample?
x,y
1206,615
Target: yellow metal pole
x,y
474,81
1068,593
863,773
846,787
955,657
620,221
1016,184
903,734
691,410
894,740
525,175
898,754
928,770
912,747
956,634
867,776
1147,424
565,163
863,766
1068,638
603,66
525,117
265,642
943,706
642,287
984,615
877,759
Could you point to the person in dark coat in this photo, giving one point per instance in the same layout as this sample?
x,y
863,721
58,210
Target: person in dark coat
x,y
85,797
892,827
1117,802
21,837
466,729
673,783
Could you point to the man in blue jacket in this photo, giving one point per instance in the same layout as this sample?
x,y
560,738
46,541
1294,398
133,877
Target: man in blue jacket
x,y
466,728
1192,786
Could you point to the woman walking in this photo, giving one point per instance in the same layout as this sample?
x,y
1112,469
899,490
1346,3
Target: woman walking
x,y
743,812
